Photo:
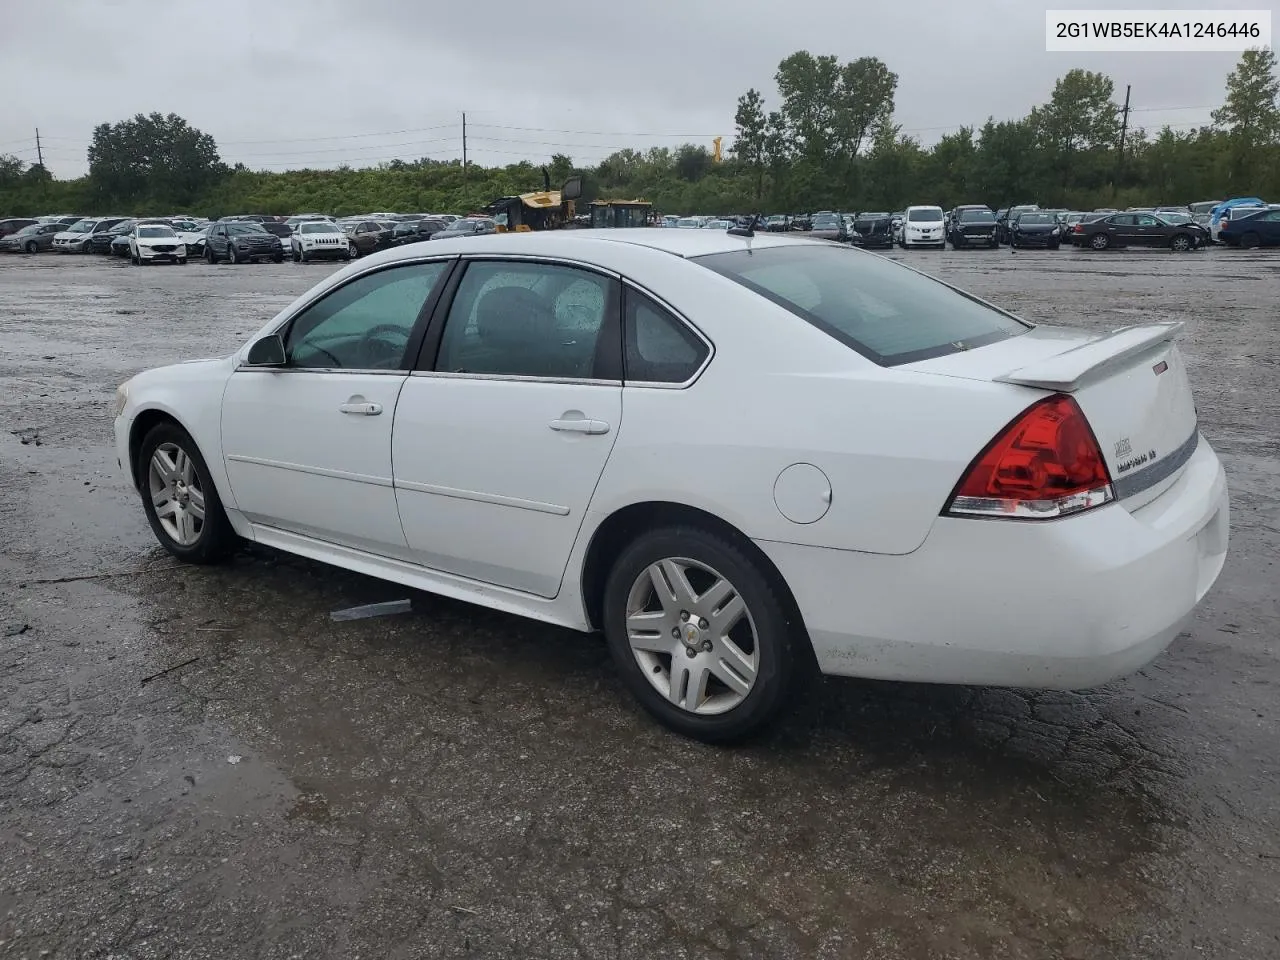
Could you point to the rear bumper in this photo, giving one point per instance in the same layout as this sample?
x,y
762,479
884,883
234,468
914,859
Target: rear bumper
x,y
1060,604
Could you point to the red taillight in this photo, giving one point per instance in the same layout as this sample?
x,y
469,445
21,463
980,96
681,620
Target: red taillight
x,y
1045,464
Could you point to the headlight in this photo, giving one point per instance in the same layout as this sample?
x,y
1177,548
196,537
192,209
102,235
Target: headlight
x,y
182,249
122,398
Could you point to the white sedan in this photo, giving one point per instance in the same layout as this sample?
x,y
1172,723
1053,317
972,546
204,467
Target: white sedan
x,y
738,456
152,242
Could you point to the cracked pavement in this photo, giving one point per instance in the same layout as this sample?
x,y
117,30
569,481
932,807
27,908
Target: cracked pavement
x,y
459,783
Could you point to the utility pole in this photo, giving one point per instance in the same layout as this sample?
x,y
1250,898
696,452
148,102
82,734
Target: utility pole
x,y
1124,123
464,148
39,152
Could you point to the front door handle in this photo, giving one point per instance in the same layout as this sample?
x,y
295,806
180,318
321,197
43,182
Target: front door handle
x,y
360,407
580,426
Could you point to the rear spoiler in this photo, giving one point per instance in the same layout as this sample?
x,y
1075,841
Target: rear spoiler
x,y
1067,371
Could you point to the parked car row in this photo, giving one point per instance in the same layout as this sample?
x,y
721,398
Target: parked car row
x,y
235,239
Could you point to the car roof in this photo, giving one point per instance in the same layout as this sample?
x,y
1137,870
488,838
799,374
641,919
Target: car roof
x,y
590,245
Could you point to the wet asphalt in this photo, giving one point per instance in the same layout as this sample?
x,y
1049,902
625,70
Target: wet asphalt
x,y
458,783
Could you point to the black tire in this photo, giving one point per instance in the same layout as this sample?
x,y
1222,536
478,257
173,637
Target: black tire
x,y
349,253
216,539
1054,245
1180,243
32,247
278,258
1099,241
302,256
294,256
182,261
1250,241
209,257
777,642
232,256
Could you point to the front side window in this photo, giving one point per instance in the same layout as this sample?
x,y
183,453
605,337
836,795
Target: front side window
x,y
1147,221
886,312
658,347
532,320
365,324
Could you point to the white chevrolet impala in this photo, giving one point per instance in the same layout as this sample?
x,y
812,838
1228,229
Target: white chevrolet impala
x,y
737,456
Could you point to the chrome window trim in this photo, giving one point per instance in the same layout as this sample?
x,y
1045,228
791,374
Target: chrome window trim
x,y
247,367
515,378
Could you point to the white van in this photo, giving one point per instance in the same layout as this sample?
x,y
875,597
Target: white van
x,y
923,227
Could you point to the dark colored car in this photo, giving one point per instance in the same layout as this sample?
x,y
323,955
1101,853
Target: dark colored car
x,y
872,229
972,227
1261,229
1005,218
467,227
828,226
119,246
32,239
278,229
101,241
241,241
8,227
1137,230
415,231
1034,229
369,236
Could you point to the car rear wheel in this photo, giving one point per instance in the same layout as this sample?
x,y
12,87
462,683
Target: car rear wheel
x,y
699,634
1181,243
1099,241
31,247
1250,241
180,499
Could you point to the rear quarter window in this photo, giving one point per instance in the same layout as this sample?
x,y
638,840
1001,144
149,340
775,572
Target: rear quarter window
x,y
884,311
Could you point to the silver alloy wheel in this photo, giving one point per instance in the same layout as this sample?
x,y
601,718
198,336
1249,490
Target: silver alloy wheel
x,y
692,635
1181,243
1100,241
175,491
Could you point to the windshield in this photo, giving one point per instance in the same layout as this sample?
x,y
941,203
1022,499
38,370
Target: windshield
x,y
317,226
27,231
925,214
977,216
156,230
884,311
1025,218
244,229
82,226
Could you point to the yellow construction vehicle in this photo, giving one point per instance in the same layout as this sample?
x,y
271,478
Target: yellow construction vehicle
x,y
545,209
620,213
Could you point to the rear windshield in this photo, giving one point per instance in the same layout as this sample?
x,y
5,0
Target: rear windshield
x,y
927,214
977,216
885,311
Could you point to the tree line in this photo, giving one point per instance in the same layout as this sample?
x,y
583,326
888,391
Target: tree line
x,y
826,140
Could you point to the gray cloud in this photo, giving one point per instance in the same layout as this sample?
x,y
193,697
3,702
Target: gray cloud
x,y
308,82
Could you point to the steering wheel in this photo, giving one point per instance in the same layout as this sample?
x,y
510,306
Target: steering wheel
x,y
376,349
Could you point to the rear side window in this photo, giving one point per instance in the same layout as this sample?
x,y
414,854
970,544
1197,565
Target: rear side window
x,y
659,348
884,311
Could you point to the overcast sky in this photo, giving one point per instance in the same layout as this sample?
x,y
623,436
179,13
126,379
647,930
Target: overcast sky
x,y
293,83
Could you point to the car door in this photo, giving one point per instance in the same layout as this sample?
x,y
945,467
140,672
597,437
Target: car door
x,y
500,438
1119,227
308,443
1148,231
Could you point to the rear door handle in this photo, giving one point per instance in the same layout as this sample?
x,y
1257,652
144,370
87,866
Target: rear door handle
x,y
358,406
580,426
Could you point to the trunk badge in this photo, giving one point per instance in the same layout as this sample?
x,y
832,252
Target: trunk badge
x,y
1123,448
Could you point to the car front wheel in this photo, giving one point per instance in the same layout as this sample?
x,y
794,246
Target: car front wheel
x,y
1099,241
181,502
699,634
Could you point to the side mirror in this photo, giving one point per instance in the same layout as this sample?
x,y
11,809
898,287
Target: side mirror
x,y
267,352
572,189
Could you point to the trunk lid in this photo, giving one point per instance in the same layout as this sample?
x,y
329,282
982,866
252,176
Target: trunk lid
x,y
1131,384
